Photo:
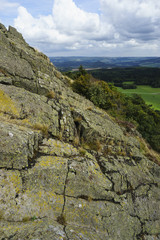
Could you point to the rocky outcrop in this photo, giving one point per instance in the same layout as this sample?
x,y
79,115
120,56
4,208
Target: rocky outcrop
x,y
67,170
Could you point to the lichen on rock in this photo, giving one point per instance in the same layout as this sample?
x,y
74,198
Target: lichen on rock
x,y
67,171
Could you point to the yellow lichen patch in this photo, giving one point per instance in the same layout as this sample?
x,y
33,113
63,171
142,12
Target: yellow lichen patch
x,y
7,105
58,148
43,203
16,181
50,161
11,180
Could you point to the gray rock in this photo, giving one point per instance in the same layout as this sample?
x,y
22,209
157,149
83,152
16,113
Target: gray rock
x,y
3,28
67,171
13,31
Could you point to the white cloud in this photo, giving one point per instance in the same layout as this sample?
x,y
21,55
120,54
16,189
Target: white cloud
x,y
137,18
71,19
5,5
68,25
121,25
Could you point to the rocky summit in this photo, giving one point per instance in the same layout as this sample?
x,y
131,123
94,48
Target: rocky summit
x,y
68,171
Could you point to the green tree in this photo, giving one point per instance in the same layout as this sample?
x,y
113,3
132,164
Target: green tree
x,y
82,71
81,85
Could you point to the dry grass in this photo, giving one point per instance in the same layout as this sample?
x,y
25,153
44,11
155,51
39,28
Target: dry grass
x,y
78,119
41,127
7,105
96,145
90,199
51,94
72,109
82,151
3,72
92,145
149,152
89,108
60,136
76,141
26,219
25,123
9,119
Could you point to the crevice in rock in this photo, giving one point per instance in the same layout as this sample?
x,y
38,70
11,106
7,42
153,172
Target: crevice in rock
x,y
31,162
65,186
140,236
103,170
147,184
79,127
64,229
59,119
5,83
62,219
90,199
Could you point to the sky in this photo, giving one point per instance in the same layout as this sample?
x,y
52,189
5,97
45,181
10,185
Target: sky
x,y
108,28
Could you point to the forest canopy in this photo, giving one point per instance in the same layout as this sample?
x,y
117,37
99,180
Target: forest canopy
x,y
137,75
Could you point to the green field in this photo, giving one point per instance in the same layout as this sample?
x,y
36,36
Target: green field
x,y
149,94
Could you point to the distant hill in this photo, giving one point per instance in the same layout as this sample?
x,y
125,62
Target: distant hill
x,y
70,63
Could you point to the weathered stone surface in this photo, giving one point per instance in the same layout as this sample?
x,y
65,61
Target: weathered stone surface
x,y
3,28
34,229
17,146
13,32
67,170
57,148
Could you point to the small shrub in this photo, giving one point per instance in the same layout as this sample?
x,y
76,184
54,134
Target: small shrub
x,y
51,94
95,145
33,218
60,136
72,109
78,119
76,141
3,71
111,142
91,144
107,150
90,199
82,151
122,153
89,108
41,127
91,177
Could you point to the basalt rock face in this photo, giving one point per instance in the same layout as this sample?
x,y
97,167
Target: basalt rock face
x,y
67,170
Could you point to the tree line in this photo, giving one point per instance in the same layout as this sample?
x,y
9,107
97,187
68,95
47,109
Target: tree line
x,y
137,75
